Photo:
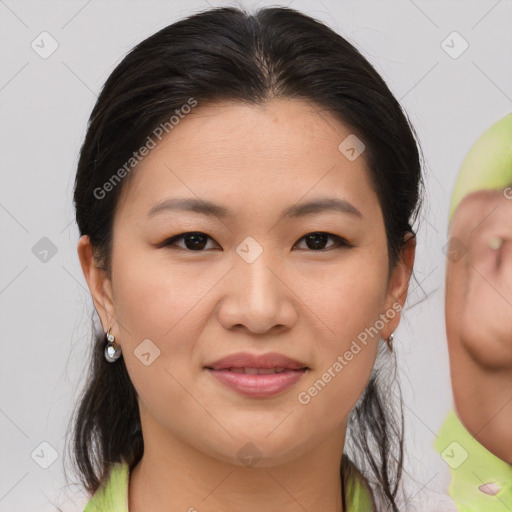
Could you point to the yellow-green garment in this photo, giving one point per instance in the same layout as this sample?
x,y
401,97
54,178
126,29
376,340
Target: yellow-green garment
x,y
473,466
113,495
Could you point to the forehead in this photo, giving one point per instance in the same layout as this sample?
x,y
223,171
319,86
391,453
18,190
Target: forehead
x,y
278,151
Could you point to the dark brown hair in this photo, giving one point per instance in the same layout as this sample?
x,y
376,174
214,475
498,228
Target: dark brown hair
x,y
230,54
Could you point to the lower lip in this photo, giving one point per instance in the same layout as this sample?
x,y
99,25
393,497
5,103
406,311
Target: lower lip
x,y
258,386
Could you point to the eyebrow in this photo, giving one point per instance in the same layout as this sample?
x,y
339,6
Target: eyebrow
x,y
213,209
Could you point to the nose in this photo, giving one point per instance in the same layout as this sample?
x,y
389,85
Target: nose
x,y
258,296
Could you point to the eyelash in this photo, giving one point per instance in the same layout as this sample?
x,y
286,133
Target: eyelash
x,y
171,242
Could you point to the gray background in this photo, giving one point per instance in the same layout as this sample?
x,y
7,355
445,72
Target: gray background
x,y
45,103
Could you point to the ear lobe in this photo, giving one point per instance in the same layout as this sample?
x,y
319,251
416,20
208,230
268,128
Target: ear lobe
x,y
97,281
399,283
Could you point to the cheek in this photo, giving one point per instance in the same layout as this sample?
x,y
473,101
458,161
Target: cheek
x,y
152,296
348,311
348,296
159,302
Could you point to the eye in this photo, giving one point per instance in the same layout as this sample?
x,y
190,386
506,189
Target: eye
x,y
194,241
316,241
197,241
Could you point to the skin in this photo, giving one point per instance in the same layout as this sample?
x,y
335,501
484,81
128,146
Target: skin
x,y
306,303
478,306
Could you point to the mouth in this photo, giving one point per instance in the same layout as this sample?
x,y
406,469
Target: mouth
x,y
257,375
258,382
259,371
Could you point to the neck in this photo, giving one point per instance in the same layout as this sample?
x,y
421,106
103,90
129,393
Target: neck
x,y
172,475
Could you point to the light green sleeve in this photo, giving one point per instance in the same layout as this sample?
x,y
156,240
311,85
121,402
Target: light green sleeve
x,y
113,495
481,482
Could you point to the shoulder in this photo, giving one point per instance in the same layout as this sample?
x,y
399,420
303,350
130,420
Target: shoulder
x,y
112,495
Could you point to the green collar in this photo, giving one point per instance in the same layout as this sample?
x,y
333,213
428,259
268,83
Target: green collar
x,y
112,496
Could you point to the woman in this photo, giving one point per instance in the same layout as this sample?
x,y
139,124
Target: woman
x,y
244,196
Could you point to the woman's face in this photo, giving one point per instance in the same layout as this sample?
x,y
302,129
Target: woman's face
x,y
251,280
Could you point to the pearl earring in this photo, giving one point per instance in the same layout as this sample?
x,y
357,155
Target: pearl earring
x,y
112,350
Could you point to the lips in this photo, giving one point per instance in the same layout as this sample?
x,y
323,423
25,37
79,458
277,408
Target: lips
x,y
257,376
244,362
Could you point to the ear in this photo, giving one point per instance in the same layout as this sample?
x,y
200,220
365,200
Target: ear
x,y
98,282
398,284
